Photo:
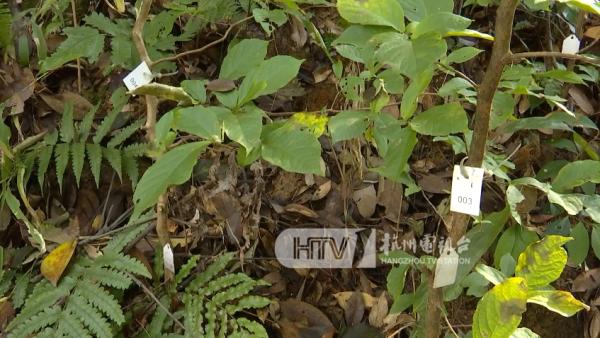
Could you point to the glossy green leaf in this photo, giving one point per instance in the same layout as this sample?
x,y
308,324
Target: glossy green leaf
x,y
268,77
396,157
542,262
412,93
561,302
580,245
587,5
513,241
417,10
562,75
498,313
441,23
441,120
348,124
195,88
291,149
575,174
492,275
463,54
373,12
174,167
242,58
245,127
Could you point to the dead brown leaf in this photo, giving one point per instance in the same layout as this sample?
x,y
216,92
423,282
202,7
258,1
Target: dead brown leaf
x,y
587,280
220,85
366,200
300,209
593,32
57,103
379,311
302,320
581,100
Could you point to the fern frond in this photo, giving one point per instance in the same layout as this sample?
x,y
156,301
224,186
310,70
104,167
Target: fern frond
x,y
102,300
77,156
247,303
113,156
43,162
94,321
94,155
37,322
215,268
130,166
253,328
120,241
20,290
109,277
86,124
67,130
118,99
124,133
186,269
69,326
61,156
136,149
123,263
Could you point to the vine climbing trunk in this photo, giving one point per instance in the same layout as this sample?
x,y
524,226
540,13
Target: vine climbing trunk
x,y
481,123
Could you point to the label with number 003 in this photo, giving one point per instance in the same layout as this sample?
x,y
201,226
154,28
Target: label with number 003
x,y
466,190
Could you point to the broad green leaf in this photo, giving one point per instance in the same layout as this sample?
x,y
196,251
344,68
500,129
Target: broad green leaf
x,y
81,42
417,10
503,106
441,23
174,167
269,19
562,75
373,12
441,120
524,332
453,86
587,5
291,149
242,58
543,261
463,54
580,245
492,275
575,174
268,77
561,302
412,93
195,88
498,313
397,277
397,51
348,124
200,121
397,154
245,127
513,241
595,240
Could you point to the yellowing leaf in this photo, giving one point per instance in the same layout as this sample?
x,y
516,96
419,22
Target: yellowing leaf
x,y
120,5
57,260
470,33
315,123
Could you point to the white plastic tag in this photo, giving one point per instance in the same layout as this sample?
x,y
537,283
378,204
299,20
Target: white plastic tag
x,y
446,267
570,44
140,76
466,190
168,260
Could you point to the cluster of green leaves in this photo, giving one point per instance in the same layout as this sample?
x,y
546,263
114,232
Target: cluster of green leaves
x,y
212,301
87,41
498,313
73,145
83,304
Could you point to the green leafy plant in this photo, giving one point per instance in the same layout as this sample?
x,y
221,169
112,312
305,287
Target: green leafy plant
x,y
83,303
499,311
213,302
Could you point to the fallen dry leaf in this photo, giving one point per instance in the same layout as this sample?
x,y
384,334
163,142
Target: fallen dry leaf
x,y
57,102
302,320
300,209
379,311
587,280
57,260
581,100
366,200
593,32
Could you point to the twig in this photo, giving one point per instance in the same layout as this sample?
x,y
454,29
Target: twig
x,y
201,49
156,300
513,58
450,326
463,75
138,31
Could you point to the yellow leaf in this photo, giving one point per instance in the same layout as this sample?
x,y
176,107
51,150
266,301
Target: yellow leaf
x,y
57,260
470,33
315,123
120,4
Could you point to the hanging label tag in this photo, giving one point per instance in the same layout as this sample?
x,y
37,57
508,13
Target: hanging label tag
x,y
466,190
446,267
140,76
570,44
168,260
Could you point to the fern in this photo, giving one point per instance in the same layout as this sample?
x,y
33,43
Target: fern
x,y
212,301
82,305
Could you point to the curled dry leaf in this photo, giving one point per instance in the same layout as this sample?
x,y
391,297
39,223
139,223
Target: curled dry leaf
x,y
57,103
300,209
379,311
343,297
322,191
366,200
587,280
581,100
57,260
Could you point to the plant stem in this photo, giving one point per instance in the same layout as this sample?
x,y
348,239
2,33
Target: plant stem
x,y
520,56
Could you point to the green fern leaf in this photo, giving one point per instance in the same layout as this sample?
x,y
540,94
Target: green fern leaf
x,y
254,329
109,277
102,300
70,326
20,290
186,269
77,156
37,322
86,124
81,42
247,303
123,263
94,155
113,156
43,162
136,149
120,241
118,100
125,133
130,166
67,130
90,316
217,266
61,155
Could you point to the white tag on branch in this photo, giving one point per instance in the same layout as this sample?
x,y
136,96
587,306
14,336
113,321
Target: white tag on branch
x,y
466,190
140,76
570,44
446,267
168,260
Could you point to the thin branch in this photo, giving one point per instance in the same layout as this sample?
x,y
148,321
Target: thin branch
x,y
156,300
137,33
514,58
203,48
